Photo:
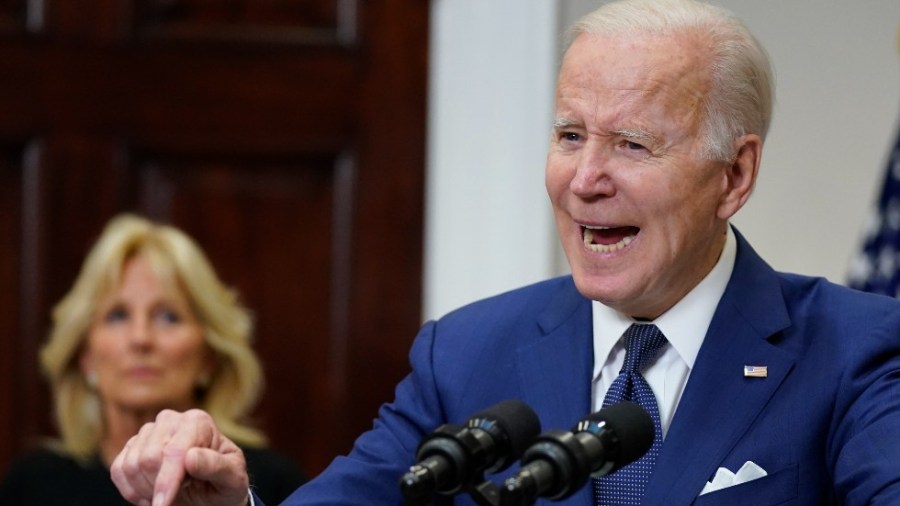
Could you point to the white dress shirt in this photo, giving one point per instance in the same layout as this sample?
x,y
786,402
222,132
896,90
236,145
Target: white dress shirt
x,y
684,326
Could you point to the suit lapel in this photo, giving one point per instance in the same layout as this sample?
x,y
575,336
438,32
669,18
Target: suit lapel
x,y
719,403
555,365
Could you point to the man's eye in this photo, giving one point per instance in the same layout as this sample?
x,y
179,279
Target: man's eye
x,y
634,146
571,137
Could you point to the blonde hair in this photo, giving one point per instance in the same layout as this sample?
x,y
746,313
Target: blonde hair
x,y
742,92
236,382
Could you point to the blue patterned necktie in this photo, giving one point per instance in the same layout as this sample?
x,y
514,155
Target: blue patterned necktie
x,y
626,486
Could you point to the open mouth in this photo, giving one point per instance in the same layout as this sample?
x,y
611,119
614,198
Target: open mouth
x,y
608,239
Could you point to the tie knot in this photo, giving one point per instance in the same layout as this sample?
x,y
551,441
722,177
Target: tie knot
x,y
642,343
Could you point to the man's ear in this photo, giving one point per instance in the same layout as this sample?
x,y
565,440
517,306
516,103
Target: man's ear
x,y
740,175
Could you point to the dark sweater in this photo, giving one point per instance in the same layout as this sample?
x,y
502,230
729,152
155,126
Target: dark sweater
x,y
47,478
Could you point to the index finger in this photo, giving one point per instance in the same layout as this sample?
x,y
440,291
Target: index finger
x,y
194,431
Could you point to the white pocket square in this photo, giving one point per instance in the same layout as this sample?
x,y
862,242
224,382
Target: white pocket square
x,y
725,478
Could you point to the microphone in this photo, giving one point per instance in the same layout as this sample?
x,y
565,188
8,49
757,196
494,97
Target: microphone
x,y
560,462
454,458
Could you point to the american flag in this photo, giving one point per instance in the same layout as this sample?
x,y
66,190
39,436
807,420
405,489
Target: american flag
x,y
756,371
877,267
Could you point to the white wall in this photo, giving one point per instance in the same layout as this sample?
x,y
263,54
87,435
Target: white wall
x,y
488,224
488,227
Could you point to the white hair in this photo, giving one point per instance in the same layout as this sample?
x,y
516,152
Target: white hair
x,y
741,77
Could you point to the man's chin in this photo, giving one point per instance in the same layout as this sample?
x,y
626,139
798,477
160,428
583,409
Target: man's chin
x,y
599,288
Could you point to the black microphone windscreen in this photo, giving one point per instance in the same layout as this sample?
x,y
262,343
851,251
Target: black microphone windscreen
x,y
633,427
516,419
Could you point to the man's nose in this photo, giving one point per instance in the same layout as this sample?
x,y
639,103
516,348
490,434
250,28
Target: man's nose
x,y
593,176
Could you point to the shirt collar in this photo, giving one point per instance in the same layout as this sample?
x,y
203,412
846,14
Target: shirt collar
x,y
684,324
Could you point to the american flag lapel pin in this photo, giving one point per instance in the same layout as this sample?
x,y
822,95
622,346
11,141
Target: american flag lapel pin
x,y
756,371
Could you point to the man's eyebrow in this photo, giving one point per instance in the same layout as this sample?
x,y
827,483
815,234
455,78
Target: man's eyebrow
x,y
633,133
559,123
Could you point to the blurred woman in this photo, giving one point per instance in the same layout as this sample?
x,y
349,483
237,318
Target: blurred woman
x,y
147,326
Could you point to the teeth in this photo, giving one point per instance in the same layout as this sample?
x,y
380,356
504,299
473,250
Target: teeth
x,y
604,248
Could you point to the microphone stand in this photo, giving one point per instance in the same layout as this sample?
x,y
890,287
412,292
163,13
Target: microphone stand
x,y
483,492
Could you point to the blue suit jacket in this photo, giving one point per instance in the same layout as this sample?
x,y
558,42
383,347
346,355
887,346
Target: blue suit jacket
x,y
824,424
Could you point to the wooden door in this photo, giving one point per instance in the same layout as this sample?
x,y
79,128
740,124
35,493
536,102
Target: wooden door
x,y
286,136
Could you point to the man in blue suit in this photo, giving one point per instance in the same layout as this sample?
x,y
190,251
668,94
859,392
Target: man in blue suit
x,y
662,107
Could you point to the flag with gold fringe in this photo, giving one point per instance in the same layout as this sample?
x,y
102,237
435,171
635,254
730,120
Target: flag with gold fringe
x,y
877,267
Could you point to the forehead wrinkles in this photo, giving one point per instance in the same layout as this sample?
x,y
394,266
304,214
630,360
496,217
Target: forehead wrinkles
x,y
609,76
